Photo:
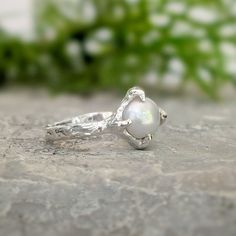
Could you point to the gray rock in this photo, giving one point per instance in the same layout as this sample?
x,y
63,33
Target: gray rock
x,y
185,184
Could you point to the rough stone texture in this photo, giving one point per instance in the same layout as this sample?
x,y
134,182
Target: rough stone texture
x,y
185,184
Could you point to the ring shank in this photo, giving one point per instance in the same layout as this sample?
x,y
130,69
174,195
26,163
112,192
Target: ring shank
x,y
79,127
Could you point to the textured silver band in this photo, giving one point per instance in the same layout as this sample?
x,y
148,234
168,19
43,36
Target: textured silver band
x,y
81,126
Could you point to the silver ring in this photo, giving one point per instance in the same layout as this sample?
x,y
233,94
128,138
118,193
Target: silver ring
x,y
137,119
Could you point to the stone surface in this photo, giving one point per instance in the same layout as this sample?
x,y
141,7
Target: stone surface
x,y
185,184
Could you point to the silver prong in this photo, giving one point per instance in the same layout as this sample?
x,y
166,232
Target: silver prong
x,y
138,143
124,123
129,97
136,92
163,116
142,97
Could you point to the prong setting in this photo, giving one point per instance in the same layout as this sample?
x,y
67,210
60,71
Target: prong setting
x,y
137,142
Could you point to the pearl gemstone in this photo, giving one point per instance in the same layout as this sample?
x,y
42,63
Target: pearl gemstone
x,y
145,117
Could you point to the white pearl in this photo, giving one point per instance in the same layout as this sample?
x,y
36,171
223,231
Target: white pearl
x,y
145,117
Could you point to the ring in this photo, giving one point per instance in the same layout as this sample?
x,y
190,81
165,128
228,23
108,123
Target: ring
x,y
137,119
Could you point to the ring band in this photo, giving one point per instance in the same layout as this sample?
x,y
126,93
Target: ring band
x,y
137,120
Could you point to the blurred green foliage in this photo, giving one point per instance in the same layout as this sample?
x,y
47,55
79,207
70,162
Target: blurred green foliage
x,y
84,45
